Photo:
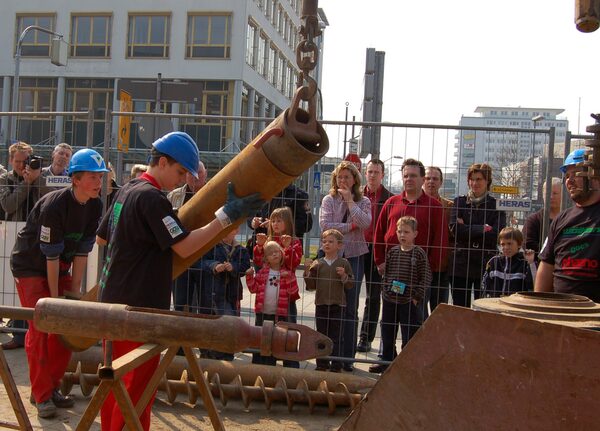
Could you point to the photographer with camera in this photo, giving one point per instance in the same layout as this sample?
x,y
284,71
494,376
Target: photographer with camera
x,y
19,191
20,188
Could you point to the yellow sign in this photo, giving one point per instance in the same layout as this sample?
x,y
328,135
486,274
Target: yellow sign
x,y
124,121
508,190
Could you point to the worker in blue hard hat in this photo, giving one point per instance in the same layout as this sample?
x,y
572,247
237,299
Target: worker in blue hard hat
x,y
49,258
570,257
142,231
575,157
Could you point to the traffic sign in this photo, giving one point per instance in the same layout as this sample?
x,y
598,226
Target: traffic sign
x,y
317,180
124,121
508,190
352,157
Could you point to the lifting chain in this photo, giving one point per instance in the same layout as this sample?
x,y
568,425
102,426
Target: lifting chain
x,y
307,52
307,56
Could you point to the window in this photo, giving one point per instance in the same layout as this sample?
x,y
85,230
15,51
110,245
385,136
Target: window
x,y
273,12
286,28
148,36
263,45
90,36
251,45
85,95
281,68
210,134
36,94
278,24
209,36
35,43
272,65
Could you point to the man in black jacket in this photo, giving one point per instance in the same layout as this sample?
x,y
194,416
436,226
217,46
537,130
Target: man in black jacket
x,y
377,194
295,199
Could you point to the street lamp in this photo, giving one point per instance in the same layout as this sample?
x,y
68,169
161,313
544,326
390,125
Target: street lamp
x,y
535,121
390,170
15,95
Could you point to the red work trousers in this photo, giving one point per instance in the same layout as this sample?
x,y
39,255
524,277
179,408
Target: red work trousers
x,y
47,356
135,382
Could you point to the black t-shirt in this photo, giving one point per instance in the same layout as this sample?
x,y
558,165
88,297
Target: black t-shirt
x,y
140,229
57,227
573,247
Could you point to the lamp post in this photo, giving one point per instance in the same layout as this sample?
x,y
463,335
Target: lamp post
x,y
390,172
535,120
15,96
345,130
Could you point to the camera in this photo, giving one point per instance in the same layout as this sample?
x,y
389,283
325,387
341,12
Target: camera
x,y
34,162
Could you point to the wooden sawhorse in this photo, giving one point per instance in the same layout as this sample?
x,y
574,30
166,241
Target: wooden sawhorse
x,y
111,374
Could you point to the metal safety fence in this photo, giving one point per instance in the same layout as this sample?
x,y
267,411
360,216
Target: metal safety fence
x,y
458,245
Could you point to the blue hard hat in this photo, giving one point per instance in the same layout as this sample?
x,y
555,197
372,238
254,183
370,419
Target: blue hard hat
x,y
86,160
182,148
576,156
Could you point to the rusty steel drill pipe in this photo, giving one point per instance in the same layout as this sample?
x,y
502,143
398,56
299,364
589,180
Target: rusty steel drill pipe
x,y
87,362
267,165
324,395
291,144
587,15
171,328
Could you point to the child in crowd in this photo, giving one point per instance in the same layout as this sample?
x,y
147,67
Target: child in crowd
x,y
222,268
281,230
512,271
405,279
274,286
329,276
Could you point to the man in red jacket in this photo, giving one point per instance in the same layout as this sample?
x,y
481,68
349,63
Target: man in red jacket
x,y
433,231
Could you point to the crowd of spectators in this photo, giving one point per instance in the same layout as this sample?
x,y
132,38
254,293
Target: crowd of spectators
x,y
470,251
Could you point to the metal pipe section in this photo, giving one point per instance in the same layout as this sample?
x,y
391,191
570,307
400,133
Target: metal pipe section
x,y
587,15
87,362
276,155
170,328
332,398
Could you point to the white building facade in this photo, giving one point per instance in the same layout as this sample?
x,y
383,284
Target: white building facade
x,y
504,147
240,54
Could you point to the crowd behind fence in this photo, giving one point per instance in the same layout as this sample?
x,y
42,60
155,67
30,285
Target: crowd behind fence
x,y
464,253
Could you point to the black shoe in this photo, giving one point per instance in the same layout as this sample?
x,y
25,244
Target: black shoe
x,y
46,409
379,368
12,344
62,401
363,346
348,367
321,369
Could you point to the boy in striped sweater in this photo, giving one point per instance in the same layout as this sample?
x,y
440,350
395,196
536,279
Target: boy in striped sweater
x,y
273,285
405,279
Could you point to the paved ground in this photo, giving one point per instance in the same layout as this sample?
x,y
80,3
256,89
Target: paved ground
x,y
179,415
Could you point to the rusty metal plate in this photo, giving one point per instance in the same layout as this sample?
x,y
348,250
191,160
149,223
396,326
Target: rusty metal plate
x,y
467,370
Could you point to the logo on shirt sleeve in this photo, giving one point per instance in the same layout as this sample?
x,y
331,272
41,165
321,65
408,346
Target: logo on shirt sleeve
x,y
172,226
45,234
